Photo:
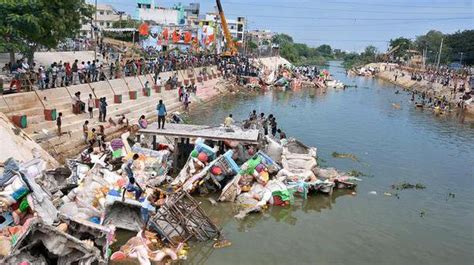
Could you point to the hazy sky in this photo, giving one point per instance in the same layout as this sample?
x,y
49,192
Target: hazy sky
x,y
345,24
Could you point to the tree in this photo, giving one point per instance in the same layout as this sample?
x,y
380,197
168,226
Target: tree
x,y
401,46
289,52
129,23
325,50
282,39
430,42
370,52
252,45
461,43
28,24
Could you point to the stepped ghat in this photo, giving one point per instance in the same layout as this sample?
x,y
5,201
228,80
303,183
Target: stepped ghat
x,y
37,106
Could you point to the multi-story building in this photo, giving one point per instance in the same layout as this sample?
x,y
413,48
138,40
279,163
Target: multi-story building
x,y
177,15
106,15
260,37
236,26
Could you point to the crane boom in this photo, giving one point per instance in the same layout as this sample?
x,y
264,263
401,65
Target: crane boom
x,y
231,50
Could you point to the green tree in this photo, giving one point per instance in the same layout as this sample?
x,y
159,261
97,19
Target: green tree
x,y
252,45
370,52
28,24
400,46
461,43
325,50
128,23
289,52
430,42
282,39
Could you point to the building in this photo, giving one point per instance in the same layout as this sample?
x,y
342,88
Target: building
x,y
148,10
260,37
106,15
236,27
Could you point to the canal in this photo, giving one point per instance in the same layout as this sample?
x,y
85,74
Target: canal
x,y
394,145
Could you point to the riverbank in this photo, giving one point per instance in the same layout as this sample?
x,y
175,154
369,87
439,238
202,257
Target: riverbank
x,y
401,77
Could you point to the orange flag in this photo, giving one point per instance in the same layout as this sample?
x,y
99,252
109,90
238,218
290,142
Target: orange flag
x,y
143,29
210,39
187,37
165,34
176,36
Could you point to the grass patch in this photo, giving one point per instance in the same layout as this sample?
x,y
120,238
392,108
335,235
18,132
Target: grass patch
x,y
345,155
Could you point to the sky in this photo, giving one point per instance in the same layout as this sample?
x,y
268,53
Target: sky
x,y
349,25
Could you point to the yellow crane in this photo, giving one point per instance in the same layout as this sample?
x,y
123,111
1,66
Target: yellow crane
x,y
231,50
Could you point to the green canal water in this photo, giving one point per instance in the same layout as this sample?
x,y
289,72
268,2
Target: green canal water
x,y
393,145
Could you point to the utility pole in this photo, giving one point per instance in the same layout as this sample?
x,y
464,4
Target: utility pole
x,y
439,54
96,32
460,60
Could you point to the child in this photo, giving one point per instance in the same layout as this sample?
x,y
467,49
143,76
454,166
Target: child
x,y
59,122
91,137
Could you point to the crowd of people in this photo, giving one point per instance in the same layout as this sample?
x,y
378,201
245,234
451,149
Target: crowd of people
x,y
59,74
266,124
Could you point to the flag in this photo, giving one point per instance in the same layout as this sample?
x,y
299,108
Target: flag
x,y
165,34
187,37
143,29
176,36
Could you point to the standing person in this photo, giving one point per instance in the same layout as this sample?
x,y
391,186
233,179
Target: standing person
x,y
68,72
263,123
91,137
90,106
180,93
103,109
54,74
59,122
42,78
253,115
161,108
273,125
229,121
81,72
132,186
85,130
186,101
75,74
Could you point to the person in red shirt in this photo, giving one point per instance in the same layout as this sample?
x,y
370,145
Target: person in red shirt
x,y
68,70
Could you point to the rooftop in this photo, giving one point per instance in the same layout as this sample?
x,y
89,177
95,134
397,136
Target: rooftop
x,y
204,131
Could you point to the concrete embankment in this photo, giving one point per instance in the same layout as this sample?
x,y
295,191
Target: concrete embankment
x,y
33,104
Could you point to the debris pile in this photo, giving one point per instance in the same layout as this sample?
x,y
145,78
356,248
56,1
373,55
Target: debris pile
x,y
71,214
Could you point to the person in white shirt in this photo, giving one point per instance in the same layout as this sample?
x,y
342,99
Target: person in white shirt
x,y
90,106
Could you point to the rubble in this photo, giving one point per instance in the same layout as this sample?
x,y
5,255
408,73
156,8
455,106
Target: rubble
x,y
71,214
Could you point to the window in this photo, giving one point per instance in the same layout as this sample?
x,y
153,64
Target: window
x,y
146,6
101,23
101,13
109,24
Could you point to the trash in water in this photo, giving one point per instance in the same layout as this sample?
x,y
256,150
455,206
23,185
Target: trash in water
x,y
373,192
406,185
345,155
387,194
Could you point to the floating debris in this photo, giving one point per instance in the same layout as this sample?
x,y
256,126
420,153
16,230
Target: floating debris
x,y
406,185
387,194
356,173
373,192
345,155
